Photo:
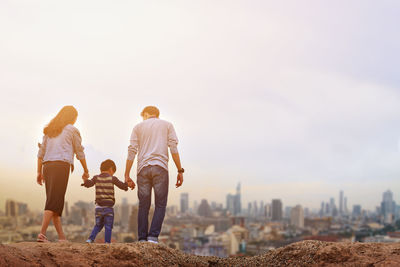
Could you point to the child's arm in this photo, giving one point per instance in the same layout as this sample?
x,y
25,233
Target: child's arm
x,y
121,185
89,183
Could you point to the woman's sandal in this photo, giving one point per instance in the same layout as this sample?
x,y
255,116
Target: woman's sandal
x,y
42,238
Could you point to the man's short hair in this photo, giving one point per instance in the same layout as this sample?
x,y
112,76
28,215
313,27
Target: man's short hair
x,y
107,164
152,110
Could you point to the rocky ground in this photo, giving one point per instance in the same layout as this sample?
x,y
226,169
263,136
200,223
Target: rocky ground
x,y
306,253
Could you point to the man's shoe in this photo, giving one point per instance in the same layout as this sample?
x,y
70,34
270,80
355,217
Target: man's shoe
x,y
89,241
152,239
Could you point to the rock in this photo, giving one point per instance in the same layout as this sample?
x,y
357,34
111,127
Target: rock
x,y
306,253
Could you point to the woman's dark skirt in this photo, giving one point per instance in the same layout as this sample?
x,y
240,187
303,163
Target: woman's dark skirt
x,y
56,174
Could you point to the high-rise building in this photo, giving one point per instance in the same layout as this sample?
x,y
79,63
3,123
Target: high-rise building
x,y
184,202
356,210
230,204
133,220
297,216
255,208
332,205
345,209
14,209
11,208
341,202
195,207
233,202
287,212
322,210
204,209
249,208
262,209
125,212
238,201
388,207
276,210
268,211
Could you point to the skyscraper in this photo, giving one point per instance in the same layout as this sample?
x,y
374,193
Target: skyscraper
x,y
341,202
11,208
276,210
297,216
345,209
184,202
238,201
204,209
356,210
268,210
233,202
262,209
333,208
388,207
125,213
230,203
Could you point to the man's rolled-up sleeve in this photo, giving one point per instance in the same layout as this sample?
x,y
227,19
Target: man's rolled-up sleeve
x,y
134,144
172,140
77,143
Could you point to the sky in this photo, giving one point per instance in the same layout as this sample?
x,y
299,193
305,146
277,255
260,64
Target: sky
x,y
296,100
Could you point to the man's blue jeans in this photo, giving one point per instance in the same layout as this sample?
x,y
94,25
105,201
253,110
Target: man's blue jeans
x,y
104,217
149,177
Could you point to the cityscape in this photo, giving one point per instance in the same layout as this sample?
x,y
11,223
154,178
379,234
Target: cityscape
x,y
221,229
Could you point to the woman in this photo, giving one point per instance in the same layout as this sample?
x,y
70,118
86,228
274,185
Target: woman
x,y
61,141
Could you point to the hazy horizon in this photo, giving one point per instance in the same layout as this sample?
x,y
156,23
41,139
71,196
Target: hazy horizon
x,y
296,101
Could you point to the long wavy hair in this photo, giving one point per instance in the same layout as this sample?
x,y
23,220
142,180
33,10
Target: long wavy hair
x,y
67,115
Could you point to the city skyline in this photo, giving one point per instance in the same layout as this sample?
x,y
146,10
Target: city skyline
x,y
287,99
190,204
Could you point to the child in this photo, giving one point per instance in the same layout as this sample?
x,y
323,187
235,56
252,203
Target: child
x,y
104,199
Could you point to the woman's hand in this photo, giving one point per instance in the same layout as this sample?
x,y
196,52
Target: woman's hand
x,y
40,178
85,175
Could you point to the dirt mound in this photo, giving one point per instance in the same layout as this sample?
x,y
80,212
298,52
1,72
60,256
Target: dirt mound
x,y
306,253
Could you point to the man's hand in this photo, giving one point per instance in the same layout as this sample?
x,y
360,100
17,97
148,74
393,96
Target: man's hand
x,y
85,175
179,180
40,178
131,183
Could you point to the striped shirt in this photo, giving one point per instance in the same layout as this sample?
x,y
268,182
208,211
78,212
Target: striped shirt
x,y
104,183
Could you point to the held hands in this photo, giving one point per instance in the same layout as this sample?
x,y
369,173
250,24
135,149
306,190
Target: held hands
x,y
179,180
85,175
40,178
131,183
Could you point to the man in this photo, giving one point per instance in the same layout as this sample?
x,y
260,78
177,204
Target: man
x,y
150,139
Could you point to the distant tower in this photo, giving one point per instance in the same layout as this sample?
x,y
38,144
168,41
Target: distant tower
x,y
238,201
125,214
234,202
341,202
297,216
184,202
388,207
276,210
334,211
345,209
262,209
204,209
11,208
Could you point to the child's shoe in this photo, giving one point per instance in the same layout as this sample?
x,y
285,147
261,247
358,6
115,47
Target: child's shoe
x,y
89,241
